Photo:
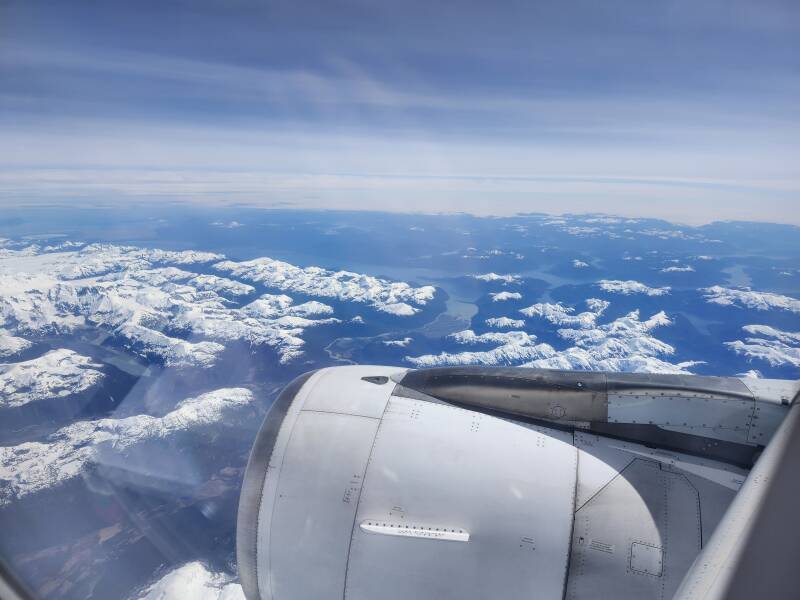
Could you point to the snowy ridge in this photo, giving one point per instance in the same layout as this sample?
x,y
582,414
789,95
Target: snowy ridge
x,y
515,347
507,337
193,580
387,296
778,348
11,345
503,296
667,234
558,314
173,352
177,316
624,344
505,323
750,299
34,466
57,374
402,343
97,259
752,373
492,277
631,287
160,277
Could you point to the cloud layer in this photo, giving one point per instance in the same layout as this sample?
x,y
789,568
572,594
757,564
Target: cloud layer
x,y
662,111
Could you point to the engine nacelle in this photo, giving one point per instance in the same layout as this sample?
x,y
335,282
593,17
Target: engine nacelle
x,y
376,483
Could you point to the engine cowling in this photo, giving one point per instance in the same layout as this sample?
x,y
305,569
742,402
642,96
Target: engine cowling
x,y
372,482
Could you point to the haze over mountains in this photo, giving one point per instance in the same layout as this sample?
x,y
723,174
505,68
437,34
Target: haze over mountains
x,y
136,368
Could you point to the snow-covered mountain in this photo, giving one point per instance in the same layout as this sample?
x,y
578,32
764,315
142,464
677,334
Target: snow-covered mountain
x,y
504,322
179,317
397,298
30,467
769,344
750,299
494,277
146,371
11,345
623,344
503,296
630,286
193,580
56,374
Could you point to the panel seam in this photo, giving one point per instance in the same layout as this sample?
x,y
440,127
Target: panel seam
x,y
360,492
573,514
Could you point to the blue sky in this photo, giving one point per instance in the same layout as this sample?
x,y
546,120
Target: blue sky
x,y
681,109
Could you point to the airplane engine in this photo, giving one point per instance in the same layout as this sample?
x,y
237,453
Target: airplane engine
x,y
371,482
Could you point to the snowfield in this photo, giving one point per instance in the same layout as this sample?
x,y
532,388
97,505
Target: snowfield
x,y
503,296
396,298
399,343
56,374
750,299
514,347
30,467
96,259
505,323
778,348
558,314
494,277
11,345
182,318
628,287
132,379
194,580
624,344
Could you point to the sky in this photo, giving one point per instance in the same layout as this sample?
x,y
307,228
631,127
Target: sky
x,y
684,110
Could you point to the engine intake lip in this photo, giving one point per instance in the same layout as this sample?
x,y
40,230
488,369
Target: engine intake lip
x,y
253,486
